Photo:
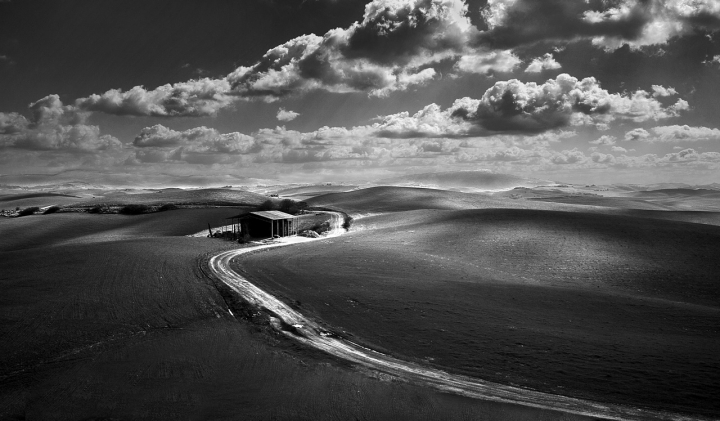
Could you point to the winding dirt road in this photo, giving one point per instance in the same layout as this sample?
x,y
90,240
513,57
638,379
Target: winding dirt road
x,y
300,328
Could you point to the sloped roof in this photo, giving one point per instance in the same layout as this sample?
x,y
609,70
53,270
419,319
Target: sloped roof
x,y
273,215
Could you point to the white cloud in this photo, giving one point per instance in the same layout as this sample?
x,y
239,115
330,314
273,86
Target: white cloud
x,y
200,97
546,62
286,115
53,127
488,62
637,134
661,91
526,107
683,134
604,140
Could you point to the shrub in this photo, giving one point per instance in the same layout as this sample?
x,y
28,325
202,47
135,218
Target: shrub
x,y
292,207
321,228
134,209
51,209
167,207
268,205
96,209
28,211
348,221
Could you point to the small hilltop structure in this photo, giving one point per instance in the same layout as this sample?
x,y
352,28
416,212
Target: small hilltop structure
x,y
264,224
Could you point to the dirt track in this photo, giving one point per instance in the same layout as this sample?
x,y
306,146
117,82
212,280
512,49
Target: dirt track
x,y
307,331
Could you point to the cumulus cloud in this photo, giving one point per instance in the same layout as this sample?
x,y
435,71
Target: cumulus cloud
x,y
382,53
202,97
286,115
546,62
609,24
690,155
604,140
488,62
565,157
661,91
528,107
673,134
637,134
53,127
159,143
394,47
683,133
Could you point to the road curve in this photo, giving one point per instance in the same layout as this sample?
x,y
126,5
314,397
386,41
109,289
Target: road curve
x,y
293,324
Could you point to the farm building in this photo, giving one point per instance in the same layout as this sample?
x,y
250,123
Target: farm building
x,y
264,224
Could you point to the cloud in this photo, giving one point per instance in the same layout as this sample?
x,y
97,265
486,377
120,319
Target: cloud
x,y
565,157
602,158
618,149
546,62
610,24
201,97
285,115
636,134
713,60
673,134
393,48
516,107
604,140
53,127
660,91
690,155
528,107
683,134
197,140
488,62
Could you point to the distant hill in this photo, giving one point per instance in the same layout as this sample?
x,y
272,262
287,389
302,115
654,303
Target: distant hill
x,y
212,197
463,180
679,192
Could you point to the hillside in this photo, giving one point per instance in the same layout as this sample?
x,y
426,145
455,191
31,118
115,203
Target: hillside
x,y
563,302
463,181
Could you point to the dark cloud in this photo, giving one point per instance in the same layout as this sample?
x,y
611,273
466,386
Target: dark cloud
x,y
513,23
397,32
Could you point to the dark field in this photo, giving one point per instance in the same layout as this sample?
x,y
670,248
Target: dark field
x,y
112,317
614,308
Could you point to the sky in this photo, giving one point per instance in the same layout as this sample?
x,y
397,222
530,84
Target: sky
x,y
221,92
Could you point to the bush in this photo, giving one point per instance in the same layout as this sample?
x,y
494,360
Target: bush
x,y
51,209
28,211
348,221
268,205
134,209
167,207
96,209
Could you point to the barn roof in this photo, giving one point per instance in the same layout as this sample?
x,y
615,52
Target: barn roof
x,y
273,215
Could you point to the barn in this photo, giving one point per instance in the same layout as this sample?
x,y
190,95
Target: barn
x,y
264,224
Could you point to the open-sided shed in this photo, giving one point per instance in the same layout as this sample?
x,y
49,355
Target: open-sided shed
x,y
264,224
